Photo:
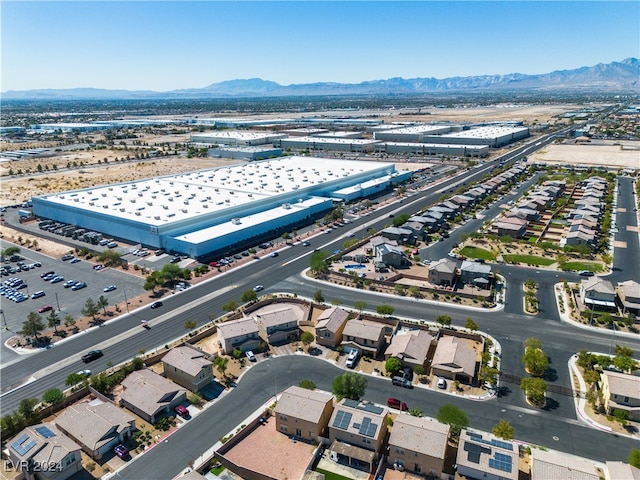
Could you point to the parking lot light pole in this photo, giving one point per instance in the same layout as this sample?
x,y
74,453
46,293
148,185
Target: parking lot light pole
x,y
57,302
4,320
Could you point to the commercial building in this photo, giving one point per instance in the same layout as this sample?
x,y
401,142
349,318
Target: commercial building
x,y
209,212
236,138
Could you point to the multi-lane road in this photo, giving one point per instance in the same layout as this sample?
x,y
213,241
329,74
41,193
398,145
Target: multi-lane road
x,y
30,376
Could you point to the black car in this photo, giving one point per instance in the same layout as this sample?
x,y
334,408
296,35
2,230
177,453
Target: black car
x,y
156,304
91,356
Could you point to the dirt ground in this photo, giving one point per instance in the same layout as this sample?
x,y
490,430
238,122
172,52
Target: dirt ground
x,y
621,154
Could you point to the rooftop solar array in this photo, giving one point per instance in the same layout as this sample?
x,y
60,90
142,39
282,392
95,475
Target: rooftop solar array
x,y
494,442
367,407
474,452
501,462
368,428
21,446
45,432
342,420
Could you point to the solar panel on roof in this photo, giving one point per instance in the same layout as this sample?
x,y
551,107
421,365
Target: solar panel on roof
x,y
373,427
19,441
366,421
342,420
370,407
350,403
45,432
22,448
501,462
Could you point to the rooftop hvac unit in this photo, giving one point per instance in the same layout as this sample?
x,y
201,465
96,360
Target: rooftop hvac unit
x,y
104,194
186,202
122,209
111,189
76,199
140,194
184,210
150,203
119,198
157,181
153,196
171,215
133,200
157,217
61,196
166,207
91,203
286,206
105,206
250,194
138,213
171,199
204,205
235,221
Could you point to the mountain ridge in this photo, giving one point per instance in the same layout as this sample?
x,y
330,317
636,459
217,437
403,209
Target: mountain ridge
x,y
620,77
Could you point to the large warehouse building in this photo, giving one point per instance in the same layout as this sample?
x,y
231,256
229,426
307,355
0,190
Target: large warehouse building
x,y
208,212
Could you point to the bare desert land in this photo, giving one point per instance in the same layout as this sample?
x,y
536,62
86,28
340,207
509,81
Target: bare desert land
x,y
620,154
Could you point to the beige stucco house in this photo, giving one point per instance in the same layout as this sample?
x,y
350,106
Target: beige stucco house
x,y
242,334
621,391
303,413
454,359
188,366
365,336
330,325
150,395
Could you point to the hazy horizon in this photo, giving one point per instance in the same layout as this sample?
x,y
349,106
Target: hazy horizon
x,y
168,45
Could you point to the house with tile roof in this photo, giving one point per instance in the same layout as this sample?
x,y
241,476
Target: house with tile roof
x,y
365,336
357,431
304,413
96,426
44,445
330,325
629,296
482,455
188,366
242,334
597,292
411,347
418,445
621,471
553,464
150,395
391,255
476,273
278,325
621,391
454,359
443,272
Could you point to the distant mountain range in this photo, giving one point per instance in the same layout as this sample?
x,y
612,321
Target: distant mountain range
x,y
622,77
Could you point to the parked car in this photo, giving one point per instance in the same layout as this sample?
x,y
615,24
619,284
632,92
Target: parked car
x,y
586,273
442,383
401,382
38,294
352,358
395,403
407,373
69,283
66,257
121,451
110,288
250,356
156,305
182,411
79,286
92,355
74,260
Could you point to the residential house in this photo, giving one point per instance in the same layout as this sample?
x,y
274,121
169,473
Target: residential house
x,y
242,334
510,227
456,208
357,431
597,292
528,214
621,471
365,336
443,272
475,273
446,212
418,444
150,395
303,413
454,359
463,201
411,347
621,391
579,237
547,465
330,325
417,229
484,456
629,296
278,326
401,235
96,426
44,444
188,366
391,256
588,222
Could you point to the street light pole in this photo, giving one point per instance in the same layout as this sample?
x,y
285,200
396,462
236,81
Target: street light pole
x,y
4,320
126,301
57,302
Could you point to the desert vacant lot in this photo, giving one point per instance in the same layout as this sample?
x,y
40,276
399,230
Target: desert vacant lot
x,y
620,154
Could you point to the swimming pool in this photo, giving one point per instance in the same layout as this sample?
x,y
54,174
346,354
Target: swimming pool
x,y
355,266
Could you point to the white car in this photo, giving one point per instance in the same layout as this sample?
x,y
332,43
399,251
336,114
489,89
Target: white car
x,y
258,288
250,356
442,383
352,358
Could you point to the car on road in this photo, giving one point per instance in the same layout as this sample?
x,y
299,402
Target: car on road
x,y
442,383
79,286
401,382
121,451
258,288
250,356
45,308
274,254
306,244
84,373
156,305
586,273
395,403
92,355
182,411
69,283
38,294
110,288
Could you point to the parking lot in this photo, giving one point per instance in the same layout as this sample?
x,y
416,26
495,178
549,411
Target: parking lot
x,y
64,300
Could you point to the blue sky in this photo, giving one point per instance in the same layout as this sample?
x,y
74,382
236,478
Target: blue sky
x,y
145,45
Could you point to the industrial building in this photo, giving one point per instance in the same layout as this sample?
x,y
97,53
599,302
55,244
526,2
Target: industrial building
x,y
493,136
436,149
415,133
245,153
208,212
335,144
236,138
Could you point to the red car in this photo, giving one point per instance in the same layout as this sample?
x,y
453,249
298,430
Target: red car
x,y
395,403
182,411
45,308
